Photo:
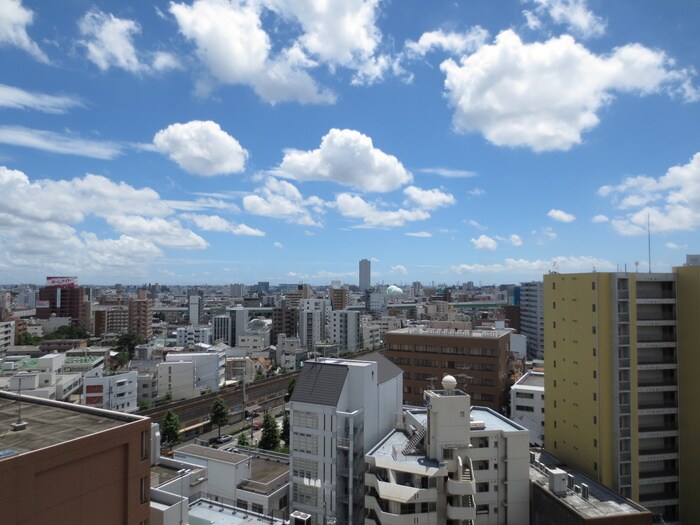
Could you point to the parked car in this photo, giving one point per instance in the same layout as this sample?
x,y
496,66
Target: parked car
x,y
224,439
257,425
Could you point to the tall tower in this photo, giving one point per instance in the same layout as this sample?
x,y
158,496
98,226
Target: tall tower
x,y
532,317
365,275
614,343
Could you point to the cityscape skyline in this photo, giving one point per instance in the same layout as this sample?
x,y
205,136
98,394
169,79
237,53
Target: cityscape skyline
x,y
214,142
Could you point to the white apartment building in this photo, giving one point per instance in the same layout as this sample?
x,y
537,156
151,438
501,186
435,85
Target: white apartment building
x,y
210,369
312,321
111,392
222,328
345,330
532,317
448,462
371,333
339,410
177,378
527,405
188,336
7,336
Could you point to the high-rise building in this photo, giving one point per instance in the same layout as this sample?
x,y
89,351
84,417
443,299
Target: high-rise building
x,y
477,358
340,298
345,330
365,275
222,329
339,410
620,359
195,307
62,296
532,317
141,316
285,320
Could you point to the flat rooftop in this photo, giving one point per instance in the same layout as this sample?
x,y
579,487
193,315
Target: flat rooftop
x,y
531,379
206,512
50,423
451,332
601,502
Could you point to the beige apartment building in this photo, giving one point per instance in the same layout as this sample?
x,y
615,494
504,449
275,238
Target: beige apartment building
x,y
622,352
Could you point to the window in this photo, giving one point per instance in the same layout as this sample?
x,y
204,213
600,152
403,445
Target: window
x,y
554,305
524,408
305,419
593,285
256,507
524,395
595,374
145,444
482,509
482,487
595,397
595,420
594,307
593,329
144,489
241,504
595,443
447,453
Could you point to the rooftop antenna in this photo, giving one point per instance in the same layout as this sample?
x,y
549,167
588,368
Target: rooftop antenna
x,y
649,239
19,425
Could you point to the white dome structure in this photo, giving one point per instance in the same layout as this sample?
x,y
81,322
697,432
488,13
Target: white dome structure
x,y
394,290
449,383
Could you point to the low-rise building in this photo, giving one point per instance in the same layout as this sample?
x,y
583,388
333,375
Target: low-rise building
x,y
527,405
112,391
448,462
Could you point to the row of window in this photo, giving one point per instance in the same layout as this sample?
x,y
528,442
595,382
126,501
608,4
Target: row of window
x,y
488,352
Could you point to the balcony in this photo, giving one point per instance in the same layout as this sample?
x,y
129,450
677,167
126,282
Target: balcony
x,y
659,499
663,476
390,518
461,513
653,386
657,409
659,454
460,488
657,432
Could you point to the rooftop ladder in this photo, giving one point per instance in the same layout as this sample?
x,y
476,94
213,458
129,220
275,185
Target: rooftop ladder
x,y
416,438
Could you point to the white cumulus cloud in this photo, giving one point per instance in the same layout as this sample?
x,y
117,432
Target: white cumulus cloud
x,y
400,269
598,219
349,158
372,216
421,234
108,41
279,199
202,148
545,95
449,41
668,203
231,42
538,266
560,216
216,223
14,20
428,199
484,242
574,14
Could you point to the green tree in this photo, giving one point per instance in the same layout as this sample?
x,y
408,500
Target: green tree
x,y
168,398
219,413
171,429
27,339
285,430
69,332
290,389
243,439
270,439
127,343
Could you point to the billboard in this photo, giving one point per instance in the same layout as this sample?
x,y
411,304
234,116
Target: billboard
x,y
61,281
42,304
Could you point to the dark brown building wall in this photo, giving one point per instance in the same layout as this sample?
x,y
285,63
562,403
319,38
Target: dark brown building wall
x,y
480,365
71,304
91,480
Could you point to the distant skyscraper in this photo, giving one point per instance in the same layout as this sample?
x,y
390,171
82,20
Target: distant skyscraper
x,y
365,275
532,317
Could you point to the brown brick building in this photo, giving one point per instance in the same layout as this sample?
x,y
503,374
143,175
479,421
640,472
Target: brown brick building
x,y
477,358
73,464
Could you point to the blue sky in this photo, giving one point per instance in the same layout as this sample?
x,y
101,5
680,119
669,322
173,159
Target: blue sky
x,y
222,141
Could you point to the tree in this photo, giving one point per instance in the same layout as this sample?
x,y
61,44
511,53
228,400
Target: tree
x,y
171,428
27,339
290,389
219,413
69,332
270,439
243,439
127,343
168,398
285,429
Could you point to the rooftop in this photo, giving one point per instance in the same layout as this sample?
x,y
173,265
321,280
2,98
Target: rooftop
x,y
450,332
601,502
206,512
51,423
531,379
